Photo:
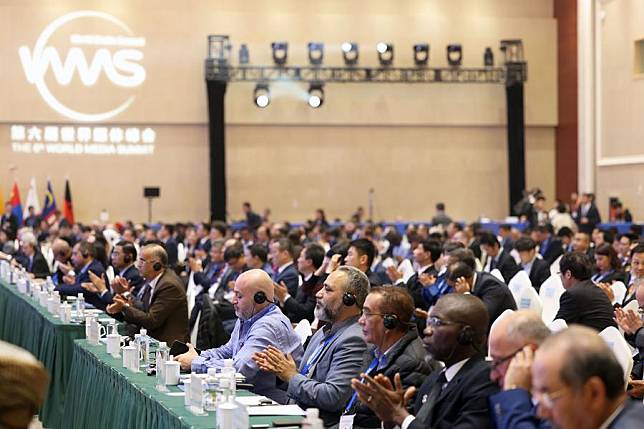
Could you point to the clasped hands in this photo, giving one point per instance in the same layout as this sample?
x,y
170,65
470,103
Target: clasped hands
x,y
274,361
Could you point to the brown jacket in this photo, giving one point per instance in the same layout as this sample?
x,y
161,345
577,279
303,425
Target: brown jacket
x,y
166,319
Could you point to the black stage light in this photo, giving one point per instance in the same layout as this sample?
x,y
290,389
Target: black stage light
x,y
316,95
262,95
488,57
244,56
385,53
316,53
421,54
350,53
280,52
454,55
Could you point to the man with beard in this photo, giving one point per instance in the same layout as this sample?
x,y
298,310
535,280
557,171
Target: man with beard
x,y
260,323
335,353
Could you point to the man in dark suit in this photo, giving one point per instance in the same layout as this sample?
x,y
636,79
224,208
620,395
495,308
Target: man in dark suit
x,y
426,253
33,261
537,269
253,220
495,295
284,269
550,248
83,260
165,307
9,222
361,254
171,247
454,397
583,302
497,258
302,305
578,382
587,215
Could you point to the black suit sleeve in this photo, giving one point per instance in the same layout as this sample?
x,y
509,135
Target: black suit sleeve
x,y
40,268
296,310
567,308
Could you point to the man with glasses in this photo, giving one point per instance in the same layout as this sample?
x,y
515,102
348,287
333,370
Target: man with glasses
x,y
513,341
454,397
577,383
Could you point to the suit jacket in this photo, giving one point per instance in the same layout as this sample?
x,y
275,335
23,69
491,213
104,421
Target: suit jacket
x,y
290,277
172,248
415,287
463,402
407,358
327,386
551,249
630,417
166,317
302,305
495,295
513,409
539,273
593,218
506,264
83,277
39,266
135,281
586,304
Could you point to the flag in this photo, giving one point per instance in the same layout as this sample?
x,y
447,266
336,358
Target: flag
x,y
1,198
68,210
14,199
49,208
32,199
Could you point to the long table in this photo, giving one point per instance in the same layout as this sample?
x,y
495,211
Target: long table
x,y
25,323
106,395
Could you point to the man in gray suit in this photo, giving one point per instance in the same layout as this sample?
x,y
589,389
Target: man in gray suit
x,y
578,383
335,353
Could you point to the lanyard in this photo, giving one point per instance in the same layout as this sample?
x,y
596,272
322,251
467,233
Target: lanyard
x,y
374,364
317,354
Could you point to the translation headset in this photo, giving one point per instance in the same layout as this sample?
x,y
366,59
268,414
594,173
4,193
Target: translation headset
x,y
157,266
348,299
466,336
259,297
390,320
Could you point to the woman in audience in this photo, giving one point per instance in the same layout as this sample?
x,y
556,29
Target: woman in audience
x,y
607,266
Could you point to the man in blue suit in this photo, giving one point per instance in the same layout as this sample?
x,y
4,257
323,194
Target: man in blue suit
x,y
83,260
284,268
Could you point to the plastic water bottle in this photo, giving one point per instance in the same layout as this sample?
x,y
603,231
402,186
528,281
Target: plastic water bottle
x,y
227,407
145,347
80,306
312,419
229,371
137,345
211,391
162,355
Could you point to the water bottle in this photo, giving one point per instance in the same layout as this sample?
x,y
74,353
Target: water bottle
x,y
137,346
226,407
145,347
211,391
162,355
312,419
80,306
229,371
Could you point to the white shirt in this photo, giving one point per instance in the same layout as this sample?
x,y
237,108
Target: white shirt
x,y
153,284
450,373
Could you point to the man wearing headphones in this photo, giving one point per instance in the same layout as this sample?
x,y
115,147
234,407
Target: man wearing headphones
x,y
260,323
458,395
394,346
335,353
164,307
83,260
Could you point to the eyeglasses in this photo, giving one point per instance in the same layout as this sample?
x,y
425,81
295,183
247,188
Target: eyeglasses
x,y
367,313
547,399
495,363
437,322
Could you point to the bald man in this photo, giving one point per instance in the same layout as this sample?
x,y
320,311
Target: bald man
x,y
260,323
513,341
578,383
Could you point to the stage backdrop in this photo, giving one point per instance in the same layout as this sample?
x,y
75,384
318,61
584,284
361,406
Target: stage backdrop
x,y
112,96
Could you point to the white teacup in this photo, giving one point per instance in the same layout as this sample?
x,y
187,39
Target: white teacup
x,y
172,369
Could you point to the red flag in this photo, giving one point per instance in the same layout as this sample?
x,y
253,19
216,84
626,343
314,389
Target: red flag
x,y
14,199
68,209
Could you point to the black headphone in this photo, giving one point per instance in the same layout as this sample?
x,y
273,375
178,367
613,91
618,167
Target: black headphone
x,y
390,320
348,299
466,336
259,297
157,266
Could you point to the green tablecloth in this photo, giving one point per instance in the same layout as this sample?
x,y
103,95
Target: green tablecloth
x,y
110,396
25,323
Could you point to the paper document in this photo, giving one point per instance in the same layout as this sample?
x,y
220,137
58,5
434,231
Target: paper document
x,y
276,410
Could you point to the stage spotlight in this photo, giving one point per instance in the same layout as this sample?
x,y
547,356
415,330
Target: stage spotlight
x,y
488,57
350,53
421,54
454,55
280,52
316,95
262,95
316,53
244,56
385,53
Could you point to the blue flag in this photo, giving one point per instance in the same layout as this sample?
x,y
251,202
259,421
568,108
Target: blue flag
x,y
49,210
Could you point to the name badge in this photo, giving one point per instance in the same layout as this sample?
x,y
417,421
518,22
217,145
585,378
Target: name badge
x,y
346,421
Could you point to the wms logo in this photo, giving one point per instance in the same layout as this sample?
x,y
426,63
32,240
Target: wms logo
x,y
115,52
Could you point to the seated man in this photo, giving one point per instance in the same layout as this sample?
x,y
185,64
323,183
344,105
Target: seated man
x,y
633,326
34,261
583,302
284,269
84,260
260,323
395,347
512,344
335,353
536,268
162,307
456,397
578,383
361,254
497,257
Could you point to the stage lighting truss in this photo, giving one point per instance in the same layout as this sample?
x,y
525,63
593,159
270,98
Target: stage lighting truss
x,y
280,52
385,53
316,53
316,95
262,95
350,53
421,54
